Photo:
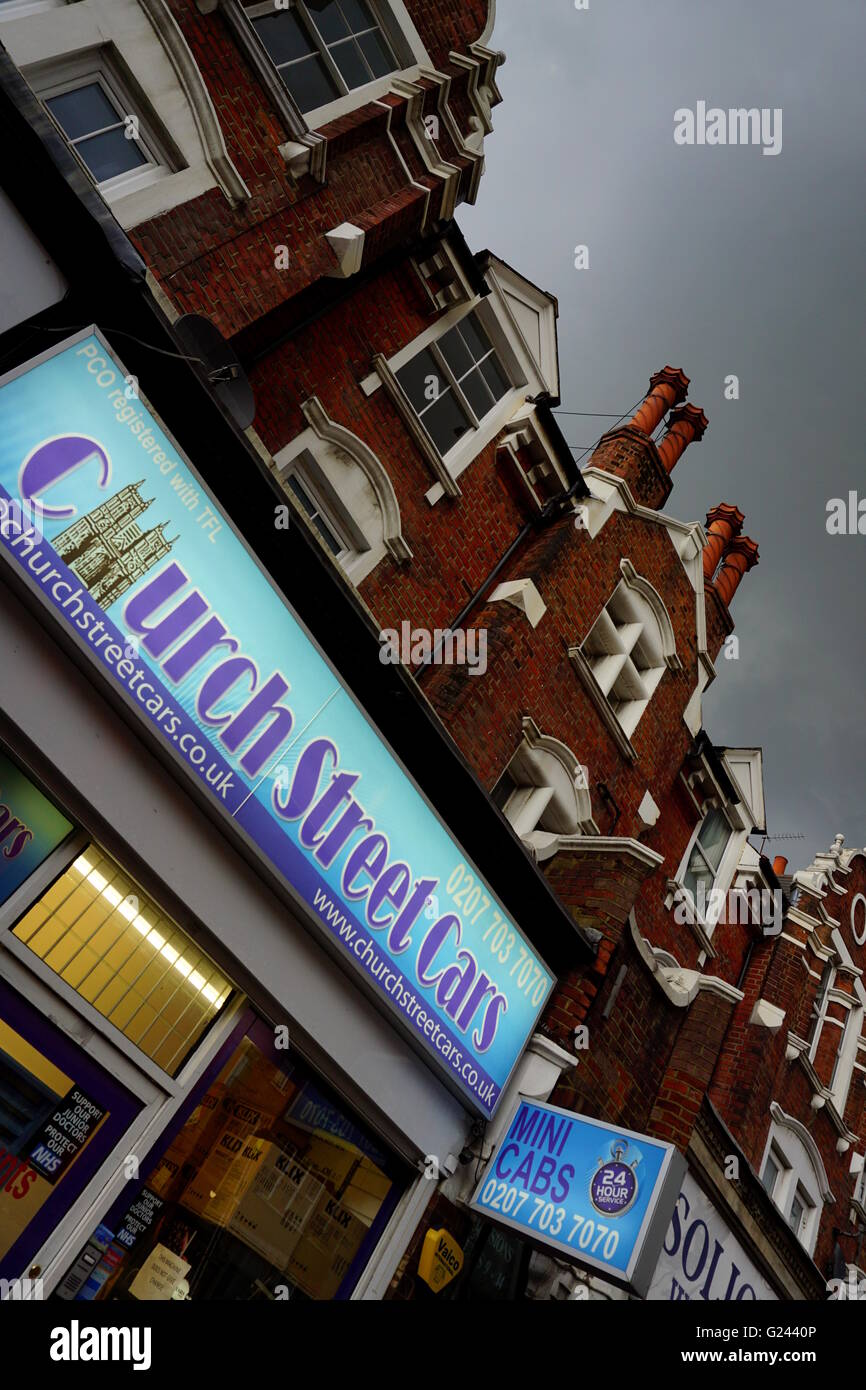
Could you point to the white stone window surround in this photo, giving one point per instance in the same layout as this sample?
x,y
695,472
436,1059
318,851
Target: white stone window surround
x,y
801,1173
151,49
521,373
353,489
634,622
404,38
550,795
850,1050
98,66
625,652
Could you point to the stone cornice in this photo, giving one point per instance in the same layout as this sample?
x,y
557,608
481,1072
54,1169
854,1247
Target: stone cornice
x,y
647,859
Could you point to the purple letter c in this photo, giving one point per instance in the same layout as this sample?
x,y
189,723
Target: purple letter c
x,y
54,459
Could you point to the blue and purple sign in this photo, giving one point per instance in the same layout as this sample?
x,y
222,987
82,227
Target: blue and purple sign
x,y
30,827
107,521
599,1194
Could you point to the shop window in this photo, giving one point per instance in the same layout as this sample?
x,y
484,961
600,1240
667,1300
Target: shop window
x,y
60,1116
455,383
31,827
272,1190
108,941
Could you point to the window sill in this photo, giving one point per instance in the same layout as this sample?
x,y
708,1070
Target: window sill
x,y
346,105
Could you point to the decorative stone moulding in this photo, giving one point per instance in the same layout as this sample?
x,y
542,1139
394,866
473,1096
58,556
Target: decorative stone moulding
x,y
523,595
347,244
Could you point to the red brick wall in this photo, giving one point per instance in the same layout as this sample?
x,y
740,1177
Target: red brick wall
x,y
219,261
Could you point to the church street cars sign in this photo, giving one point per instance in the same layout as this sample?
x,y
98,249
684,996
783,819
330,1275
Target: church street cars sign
x,y
602,1195
109,524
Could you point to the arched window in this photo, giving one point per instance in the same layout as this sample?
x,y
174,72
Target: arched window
x,y
345,493
544,793
629,647
793,1174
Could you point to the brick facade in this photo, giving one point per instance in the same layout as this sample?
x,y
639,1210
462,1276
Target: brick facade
x,y
673,1027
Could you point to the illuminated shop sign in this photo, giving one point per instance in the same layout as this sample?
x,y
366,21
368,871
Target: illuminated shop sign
x,y
131,553
30,827
601,1195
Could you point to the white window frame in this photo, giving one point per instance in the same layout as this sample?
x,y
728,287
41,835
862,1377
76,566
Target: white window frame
x,y
395,22
70,73
308,473
850,1054
476,439
721,885
779,1162
797,1178
18,9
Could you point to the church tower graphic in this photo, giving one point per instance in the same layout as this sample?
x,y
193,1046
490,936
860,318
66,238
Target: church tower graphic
x,y
108,550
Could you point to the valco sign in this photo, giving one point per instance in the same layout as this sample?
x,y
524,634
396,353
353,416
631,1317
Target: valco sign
x,y
602,1195
132,555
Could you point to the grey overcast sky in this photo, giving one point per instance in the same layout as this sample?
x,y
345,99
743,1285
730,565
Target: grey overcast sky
x,y
720,260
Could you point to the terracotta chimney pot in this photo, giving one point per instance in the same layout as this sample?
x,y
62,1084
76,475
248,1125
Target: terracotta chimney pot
x,y
724,522
667,388
742,556
687,424
780,864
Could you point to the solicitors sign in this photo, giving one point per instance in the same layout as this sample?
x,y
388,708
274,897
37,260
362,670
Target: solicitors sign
x,y
108,522
599,1194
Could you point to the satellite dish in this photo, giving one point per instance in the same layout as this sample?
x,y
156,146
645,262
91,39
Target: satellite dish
x,y
202,339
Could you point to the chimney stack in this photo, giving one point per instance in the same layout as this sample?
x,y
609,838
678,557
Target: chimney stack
x,y
741,557
668,388
723,524
687,424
